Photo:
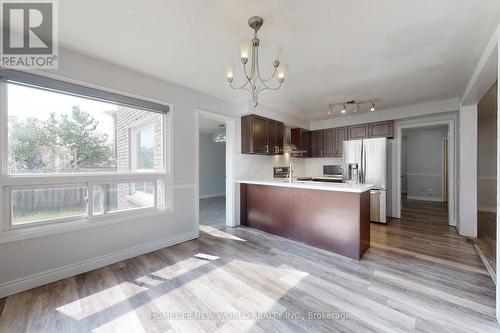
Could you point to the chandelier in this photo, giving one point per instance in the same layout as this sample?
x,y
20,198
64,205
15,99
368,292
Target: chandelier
x,y
220,136
349,106
254,83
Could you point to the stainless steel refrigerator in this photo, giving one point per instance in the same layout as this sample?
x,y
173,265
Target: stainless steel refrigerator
x,y
373,159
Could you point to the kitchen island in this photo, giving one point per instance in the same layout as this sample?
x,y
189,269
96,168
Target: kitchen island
x,y
331,216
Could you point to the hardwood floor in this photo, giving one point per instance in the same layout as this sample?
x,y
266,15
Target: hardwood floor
x,y
419,275
212,213
487,236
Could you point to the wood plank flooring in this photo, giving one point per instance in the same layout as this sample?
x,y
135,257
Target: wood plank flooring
x,y
213,213
418,276
487,236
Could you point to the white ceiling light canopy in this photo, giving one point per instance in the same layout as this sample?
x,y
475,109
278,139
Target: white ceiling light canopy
x,y
254,83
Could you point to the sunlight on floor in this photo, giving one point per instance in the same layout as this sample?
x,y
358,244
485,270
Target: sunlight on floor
x,y
206,256
222,234
91,305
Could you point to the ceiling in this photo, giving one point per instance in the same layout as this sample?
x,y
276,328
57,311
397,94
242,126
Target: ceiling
x,y
210,126
396,52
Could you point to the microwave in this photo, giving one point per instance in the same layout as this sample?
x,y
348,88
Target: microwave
x,y
332,170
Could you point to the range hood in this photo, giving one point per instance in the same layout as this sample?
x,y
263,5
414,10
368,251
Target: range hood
x,y
289,146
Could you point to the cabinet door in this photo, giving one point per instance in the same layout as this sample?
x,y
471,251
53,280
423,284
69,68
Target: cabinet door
x,y
359,131
277,146
301,138
328,142
340,137
383,129
260,133
317,138
306,143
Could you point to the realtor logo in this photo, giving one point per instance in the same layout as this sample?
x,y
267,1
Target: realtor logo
x,y
29,34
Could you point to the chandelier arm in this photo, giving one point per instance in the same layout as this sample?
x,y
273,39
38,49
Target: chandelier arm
x,y
272,76
266,87
264,83
240,87
246,73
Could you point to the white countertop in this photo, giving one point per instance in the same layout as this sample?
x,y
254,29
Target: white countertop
x,y
339,187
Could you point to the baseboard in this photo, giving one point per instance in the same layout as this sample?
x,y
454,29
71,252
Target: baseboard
x,y
487,209
39,279
414,197
212,195
485,261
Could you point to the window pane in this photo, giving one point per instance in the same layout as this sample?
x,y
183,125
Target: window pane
x,y
111,198
145,148
51,132
42,204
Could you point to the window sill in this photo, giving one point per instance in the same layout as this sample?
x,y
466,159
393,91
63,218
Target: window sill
x,y
54,229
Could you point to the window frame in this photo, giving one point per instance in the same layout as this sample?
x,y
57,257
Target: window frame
x,y
10,182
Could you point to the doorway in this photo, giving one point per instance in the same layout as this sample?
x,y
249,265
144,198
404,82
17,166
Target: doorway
x,y
215,188
212,173
423,174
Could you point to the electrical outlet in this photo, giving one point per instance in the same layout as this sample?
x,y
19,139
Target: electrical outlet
x,y
431,191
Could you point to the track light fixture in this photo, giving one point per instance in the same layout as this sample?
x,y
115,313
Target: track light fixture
x,y
350,106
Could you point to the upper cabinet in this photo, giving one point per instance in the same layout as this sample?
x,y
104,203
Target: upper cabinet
x,y
383,129
317,143
329,142
359,132
301,138
340,137
262,136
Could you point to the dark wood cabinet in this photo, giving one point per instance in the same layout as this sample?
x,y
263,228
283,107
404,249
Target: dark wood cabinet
x,y
261,136
340,137
301,138
329,142
359,131
383,129
317,143
276,137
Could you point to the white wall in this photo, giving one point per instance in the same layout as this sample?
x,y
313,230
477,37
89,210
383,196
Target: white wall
x,y
467,224
424,160
30,262
212,167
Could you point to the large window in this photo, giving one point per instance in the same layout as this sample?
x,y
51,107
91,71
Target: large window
x,y
75,153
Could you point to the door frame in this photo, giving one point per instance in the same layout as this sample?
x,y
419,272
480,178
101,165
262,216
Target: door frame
x,y
450,123
230,137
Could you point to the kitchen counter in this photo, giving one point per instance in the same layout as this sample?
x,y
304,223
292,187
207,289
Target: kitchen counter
x,y
331,216
312,185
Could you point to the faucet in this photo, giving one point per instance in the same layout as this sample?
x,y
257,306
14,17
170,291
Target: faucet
x,y
291,171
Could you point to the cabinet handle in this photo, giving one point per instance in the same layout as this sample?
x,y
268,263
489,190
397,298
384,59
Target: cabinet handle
x,y
321,152
267,148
